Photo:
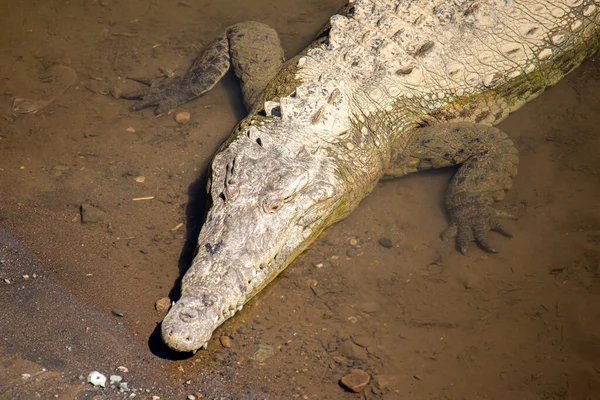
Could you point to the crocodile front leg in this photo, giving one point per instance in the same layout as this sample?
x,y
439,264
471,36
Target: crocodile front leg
x,y
251,48
488,161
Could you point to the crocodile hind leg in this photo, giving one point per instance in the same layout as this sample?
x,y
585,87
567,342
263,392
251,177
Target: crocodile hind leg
x,y
251,48
488,161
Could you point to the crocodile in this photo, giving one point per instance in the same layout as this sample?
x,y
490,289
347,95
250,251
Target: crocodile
x,y
387,88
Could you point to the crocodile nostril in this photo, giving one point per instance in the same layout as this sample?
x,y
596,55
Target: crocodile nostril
x,y
188,315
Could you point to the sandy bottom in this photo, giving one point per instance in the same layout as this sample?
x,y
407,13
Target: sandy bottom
x,y
422,320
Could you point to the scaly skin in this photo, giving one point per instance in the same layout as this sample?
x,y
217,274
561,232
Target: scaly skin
x,y
388,87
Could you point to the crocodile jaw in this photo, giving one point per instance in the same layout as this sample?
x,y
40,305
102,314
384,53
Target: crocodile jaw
x,y
218,285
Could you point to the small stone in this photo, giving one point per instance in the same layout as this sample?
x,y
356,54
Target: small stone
x,y
369,307
386,242
384,381
311,283
131,129
355,381
353,242
262,352
191,397
2,261
163,304
97,379
117,313
140,179
25,376
26,277
122,369
182,117
322,264
351,252
226,341
115,379
353,351
90,214
155,397
340,360
115,92
123,387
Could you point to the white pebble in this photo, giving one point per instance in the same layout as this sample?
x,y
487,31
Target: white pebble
x,y
97,379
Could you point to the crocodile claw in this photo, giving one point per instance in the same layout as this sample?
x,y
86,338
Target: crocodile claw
x,y
471,221
164,94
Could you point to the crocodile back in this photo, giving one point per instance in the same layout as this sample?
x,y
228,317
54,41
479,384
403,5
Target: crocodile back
x,y
423,61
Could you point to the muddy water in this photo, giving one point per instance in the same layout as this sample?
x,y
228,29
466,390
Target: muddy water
x,y
422,320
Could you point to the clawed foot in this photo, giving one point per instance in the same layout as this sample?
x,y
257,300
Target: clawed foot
x,y
164,94
471,221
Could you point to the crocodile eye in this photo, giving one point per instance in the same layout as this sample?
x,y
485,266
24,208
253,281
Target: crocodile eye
x,y
322,192
272,179
285,191
272,206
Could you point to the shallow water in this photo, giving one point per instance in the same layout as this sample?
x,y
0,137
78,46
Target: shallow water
x,y
422,320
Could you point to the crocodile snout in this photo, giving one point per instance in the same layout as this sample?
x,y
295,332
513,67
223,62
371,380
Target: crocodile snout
x,y
188,325
188,315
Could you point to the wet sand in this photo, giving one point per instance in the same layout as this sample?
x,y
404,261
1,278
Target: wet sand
x,y
421,319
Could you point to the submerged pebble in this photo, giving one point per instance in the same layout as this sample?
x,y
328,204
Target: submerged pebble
x,y
386,242
226,341
115,92
262,352
117,313
90,214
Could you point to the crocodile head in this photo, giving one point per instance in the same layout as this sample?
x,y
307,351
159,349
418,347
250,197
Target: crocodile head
x,y
268,203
